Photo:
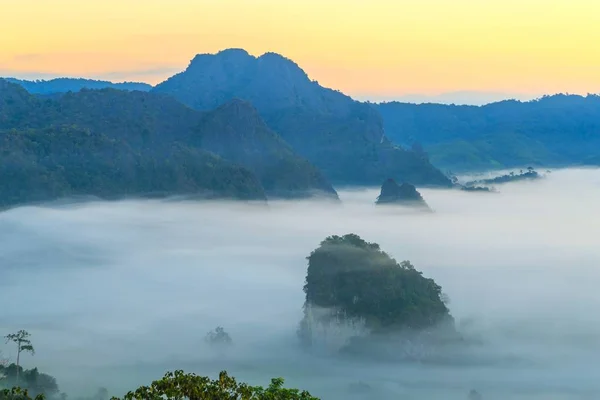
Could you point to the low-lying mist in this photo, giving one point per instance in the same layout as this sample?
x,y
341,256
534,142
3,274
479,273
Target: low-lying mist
x,y
117,293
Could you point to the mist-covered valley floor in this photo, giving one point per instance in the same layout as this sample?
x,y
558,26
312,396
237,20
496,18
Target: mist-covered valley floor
x,y
117,293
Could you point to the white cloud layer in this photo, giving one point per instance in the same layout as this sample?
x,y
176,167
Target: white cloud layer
x,y
116,293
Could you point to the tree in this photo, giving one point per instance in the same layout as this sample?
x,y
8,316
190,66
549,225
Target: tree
x,y
218,337
179,385
356,280
17,393
21,339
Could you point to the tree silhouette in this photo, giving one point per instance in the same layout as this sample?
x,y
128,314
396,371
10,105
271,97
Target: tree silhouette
x,y
21,339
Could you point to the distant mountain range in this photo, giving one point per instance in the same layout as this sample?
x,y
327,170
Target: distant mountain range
x,y
237,126
64,85
112,143
554,130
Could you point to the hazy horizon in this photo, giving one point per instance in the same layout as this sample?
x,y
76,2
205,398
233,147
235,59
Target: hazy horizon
x,y
463,97
116,293
379,48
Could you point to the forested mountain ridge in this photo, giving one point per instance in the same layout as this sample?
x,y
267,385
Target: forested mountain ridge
x,y
342,137
64,85
281,171
136,143
553,130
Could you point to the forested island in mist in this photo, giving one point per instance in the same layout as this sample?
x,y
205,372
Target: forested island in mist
x,y
528,175
359,301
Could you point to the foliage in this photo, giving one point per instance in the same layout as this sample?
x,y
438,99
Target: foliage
x,y
21,339
35,382
553,130
63,85
530,174
282,172
179,386
147,142
358,280
45,164
342,137
476,189
18,394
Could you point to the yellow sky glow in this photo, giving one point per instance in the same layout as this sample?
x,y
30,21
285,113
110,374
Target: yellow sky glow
x,y
362,47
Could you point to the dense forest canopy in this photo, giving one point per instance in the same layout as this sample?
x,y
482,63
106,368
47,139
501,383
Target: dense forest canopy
x,y
113,143
553,130
64,85
356,279
173,386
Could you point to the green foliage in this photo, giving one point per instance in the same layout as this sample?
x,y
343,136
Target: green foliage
x,y
553,130
63,85
112,143
18,394
33,381
358,280
179,386
282,172
49,163
530,174
21,339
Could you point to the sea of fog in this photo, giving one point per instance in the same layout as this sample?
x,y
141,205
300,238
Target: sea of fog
x,y
116,293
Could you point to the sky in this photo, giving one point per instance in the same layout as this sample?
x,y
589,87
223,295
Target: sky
x,y
370,49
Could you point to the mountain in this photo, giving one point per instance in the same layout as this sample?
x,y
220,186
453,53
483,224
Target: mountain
x,y
551,131
153,143
64,85
342,137
281,171
65,161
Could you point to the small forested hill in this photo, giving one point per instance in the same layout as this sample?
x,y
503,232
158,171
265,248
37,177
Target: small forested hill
x,y
63,85
343,137
355,279
152,143
554,130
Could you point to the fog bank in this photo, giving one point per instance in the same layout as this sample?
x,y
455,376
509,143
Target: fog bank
x,y
116,293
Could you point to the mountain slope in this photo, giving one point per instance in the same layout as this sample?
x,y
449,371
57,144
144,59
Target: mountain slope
x,y
234,131
160,136
65,161
554,130
281,171
63,85
343,137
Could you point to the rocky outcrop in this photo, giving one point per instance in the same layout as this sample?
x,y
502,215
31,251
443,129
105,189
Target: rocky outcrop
x,y
404,194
